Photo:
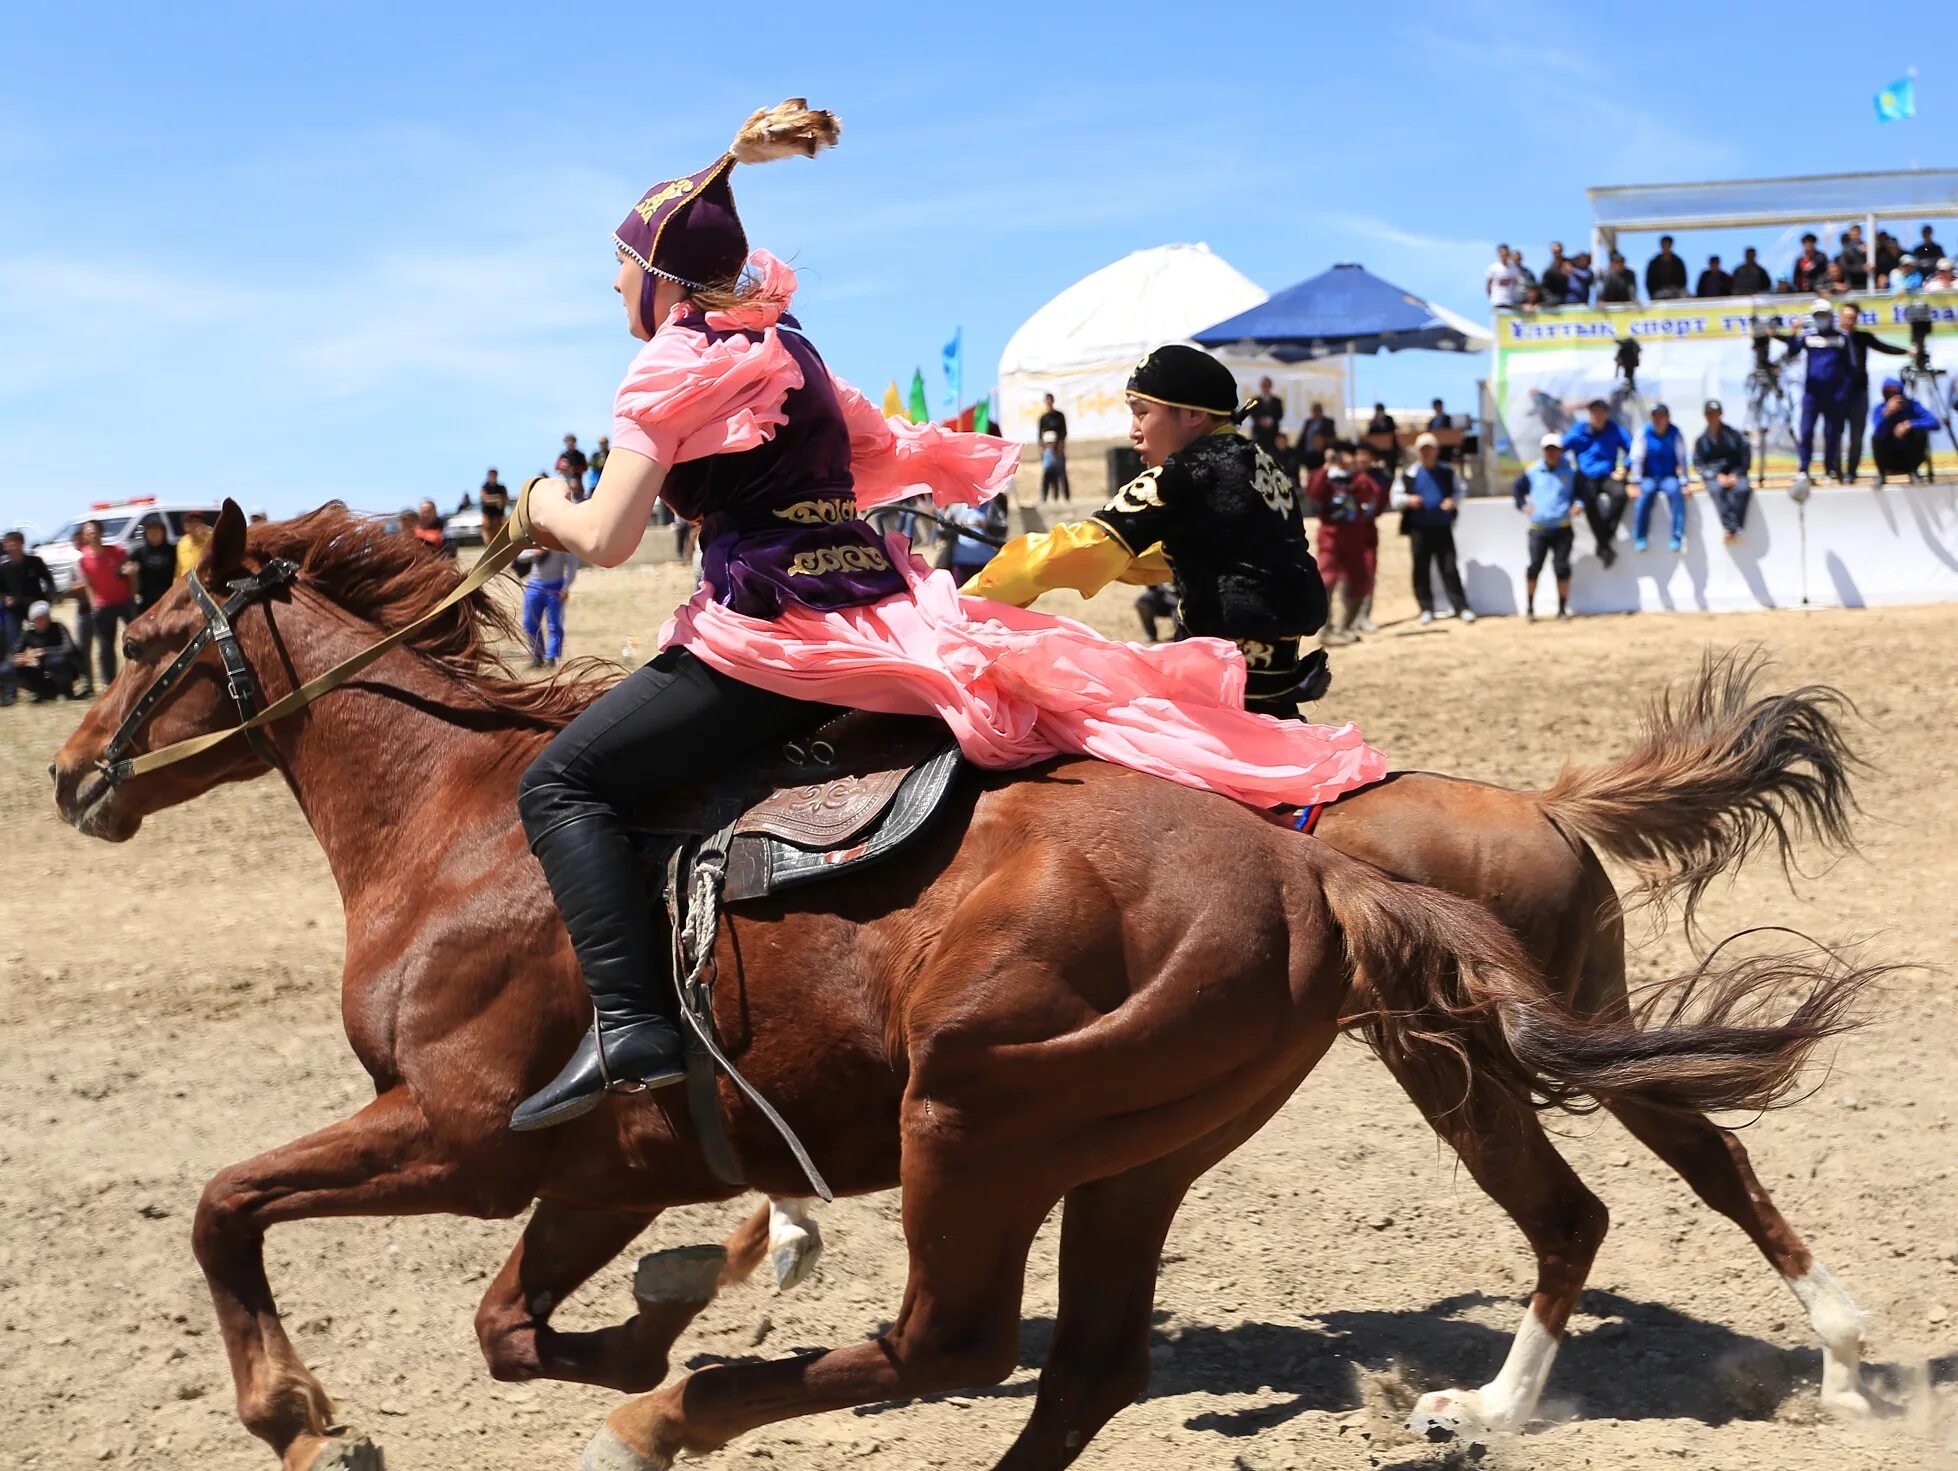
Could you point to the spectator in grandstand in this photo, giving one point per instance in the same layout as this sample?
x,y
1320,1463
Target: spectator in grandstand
x,y
1267,414
153,565
1888,253
1555,279
1909,276
1854,258
1523,273
1546,492
1665,274
1595,445
1579,279
1619,282
1784,287
44,657
1861,345
1714,281
1532,299
1835,281
1928,251
1426,501
1900,431
1749,279
1943,279
1723,459
1053,452
1810,266
1661,471
1438,420
1503,281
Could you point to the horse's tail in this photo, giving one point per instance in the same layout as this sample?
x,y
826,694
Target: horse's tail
x,y
1717,774
1439,982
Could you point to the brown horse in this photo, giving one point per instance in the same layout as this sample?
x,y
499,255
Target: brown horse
x,y
1047,1003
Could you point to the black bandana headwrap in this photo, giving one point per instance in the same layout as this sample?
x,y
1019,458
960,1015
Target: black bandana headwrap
x,y
1185,377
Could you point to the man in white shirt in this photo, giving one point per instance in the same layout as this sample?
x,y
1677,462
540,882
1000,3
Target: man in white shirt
x,y
1503,281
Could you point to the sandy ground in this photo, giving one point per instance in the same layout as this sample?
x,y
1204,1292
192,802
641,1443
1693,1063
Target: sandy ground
x,y
171,1005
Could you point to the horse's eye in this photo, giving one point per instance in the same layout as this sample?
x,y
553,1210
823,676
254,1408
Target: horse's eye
x,y
130,653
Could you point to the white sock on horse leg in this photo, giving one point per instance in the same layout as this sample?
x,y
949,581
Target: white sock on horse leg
x,y
1838,1322
794,1241
1506,1402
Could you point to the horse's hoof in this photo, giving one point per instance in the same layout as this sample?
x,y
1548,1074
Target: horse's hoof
x,y
1851,1404
608,1453
680,1274
1447,1413
346,1452
794,1254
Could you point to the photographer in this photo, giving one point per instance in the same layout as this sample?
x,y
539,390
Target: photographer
x,y
1861,345
45,658
1723,459
1900,433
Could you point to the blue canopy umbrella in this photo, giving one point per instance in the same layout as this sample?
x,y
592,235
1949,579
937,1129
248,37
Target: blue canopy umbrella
x,y
1345,310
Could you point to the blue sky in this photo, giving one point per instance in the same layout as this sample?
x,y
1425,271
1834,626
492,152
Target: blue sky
x,y
288,252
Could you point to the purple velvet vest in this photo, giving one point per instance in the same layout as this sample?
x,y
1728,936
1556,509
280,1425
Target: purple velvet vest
x,y
778,523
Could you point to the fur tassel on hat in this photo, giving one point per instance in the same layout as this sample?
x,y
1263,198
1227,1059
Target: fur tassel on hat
x,y
786,129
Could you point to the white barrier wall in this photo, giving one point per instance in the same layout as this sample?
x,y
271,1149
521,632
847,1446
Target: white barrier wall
x,y
1846,548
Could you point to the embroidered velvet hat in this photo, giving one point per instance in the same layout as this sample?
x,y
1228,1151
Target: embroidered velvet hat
x,y
1185,377
687,229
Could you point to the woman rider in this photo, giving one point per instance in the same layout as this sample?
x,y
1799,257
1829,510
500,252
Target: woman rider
x,y
729,415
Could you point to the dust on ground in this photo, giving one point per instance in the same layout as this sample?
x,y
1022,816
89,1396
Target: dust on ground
x,y
170,1005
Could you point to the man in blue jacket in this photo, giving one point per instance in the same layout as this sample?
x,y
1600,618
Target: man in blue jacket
x,y
1547,492
1828,388
1900,433
1595,446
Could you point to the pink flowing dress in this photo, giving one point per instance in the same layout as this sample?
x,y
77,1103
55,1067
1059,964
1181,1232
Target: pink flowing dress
x,y
1014,686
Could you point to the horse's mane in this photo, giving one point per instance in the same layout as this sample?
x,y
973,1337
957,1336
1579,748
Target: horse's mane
x,y
389,579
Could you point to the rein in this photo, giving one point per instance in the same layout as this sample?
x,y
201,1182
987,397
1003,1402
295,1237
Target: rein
x,y
511,538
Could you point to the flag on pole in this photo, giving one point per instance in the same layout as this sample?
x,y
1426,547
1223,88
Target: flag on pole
x,y
982,416
893,402
1897,101
954,358
919,409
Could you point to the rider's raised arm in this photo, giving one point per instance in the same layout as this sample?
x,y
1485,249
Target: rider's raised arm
x,y
607,528
1120,543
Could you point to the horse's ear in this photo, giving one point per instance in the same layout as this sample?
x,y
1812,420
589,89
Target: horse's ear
x,y
226,553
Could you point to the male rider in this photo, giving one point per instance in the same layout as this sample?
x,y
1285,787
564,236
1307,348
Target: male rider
x,y
1214,511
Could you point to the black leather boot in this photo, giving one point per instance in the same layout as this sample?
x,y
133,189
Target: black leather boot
x,y
633,1044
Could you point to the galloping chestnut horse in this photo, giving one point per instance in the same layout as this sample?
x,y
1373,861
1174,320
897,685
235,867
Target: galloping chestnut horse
x,y
1086,986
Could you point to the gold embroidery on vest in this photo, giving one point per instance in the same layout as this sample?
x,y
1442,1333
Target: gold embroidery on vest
x,y
838,559
1257,655
649,206
1272,483
820,513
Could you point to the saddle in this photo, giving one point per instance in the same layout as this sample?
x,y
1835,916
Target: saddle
x,y
848,793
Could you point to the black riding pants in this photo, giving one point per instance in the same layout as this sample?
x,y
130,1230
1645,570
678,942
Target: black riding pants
x,y
670,723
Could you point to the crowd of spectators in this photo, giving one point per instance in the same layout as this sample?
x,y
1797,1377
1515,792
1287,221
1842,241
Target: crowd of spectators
x,y
1856,266
113,585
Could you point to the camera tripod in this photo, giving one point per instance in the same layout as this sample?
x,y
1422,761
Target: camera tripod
x,y
1926,384
1769,409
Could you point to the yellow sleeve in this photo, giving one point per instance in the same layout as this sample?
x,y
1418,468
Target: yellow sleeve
x,y
1150,568
188,552
1083,555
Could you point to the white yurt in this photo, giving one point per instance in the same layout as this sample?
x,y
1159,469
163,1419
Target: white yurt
x,y
1082,345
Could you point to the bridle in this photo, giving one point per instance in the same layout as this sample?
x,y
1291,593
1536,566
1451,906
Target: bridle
x,y
239,683
118,767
